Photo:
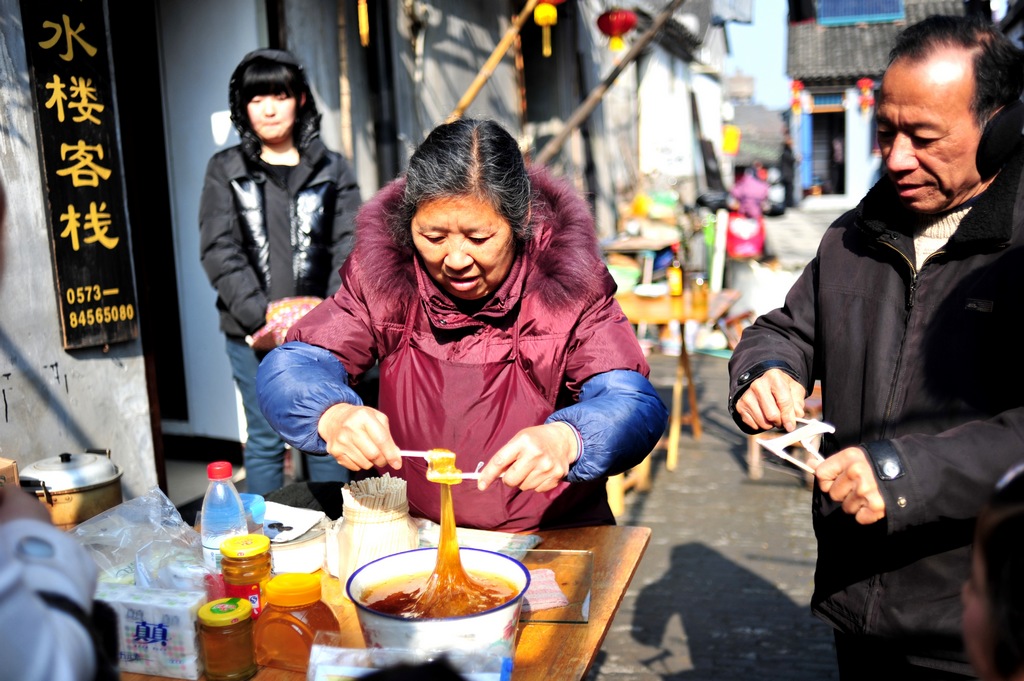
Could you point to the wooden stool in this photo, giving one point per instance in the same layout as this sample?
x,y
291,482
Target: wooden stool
x,y
755,469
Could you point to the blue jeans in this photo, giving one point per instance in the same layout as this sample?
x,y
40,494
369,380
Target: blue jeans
x,y
263,455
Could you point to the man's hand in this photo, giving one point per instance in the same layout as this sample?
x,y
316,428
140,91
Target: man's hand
x,y
849,478
773,400
536,458
358,437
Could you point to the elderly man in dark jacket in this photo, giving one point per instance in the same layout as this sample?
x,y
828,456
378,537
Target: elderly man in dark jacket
x,y
902,316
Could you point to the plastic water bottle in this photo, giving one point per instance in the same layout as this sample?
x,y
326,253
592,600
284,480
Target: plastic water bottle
x,y
223,514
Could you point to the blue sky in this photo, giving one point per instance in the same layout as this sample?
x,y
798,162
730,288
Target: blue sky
x,y
758,49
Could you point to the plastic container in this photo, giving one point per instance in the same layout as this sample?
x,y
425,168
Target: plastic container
x,y
245,566
255,510
291,619
226,640
223,514
492,631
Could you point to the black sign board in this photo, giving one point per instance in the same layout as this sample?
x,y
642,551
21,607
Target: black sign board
x,y
69,65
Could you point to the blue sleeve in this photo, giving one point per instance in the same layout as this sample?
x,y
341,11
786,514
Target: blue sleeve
x,y
296,383
620,419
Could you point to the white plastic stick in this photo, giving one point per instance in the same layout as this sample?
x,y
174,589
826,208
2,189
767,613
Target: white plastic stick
x,y
804,435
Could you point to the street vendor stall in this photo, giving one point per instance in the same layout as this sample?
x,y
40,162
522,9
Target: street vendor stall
x,y
544,650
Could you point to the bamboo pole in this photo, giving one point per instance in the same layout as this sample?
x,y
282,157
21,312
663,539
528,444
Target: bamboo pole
x,y
592,100
492,62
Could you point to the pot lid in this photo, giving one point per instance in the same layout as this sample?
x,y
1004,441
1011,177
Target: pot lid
x,y
71,471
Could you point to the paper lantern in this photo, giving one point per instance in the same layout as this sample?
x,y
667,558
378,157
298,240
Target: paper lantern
x,y
796,88
867,94
616,23
545,15
364,23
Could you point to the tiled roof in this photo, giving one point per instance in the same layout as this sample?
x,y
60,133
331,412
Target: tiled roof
x,y
674,36
820,55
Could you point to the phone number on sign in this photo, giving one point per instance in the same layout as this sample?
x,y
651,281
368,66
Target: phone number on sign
x,y
102,315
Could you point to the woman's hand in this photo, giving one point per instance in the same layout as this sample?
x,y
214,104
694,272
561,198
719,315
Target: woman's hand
x,y
358,437
536,458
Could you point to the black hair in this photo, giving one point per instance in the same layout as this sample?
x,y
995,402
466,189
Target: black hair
x,y
998,63
265,77
998,539
467,157
272,72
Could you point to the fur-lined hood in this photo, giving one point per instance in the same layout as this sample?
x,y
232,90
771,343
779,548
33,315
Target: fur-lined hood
x,y
563,262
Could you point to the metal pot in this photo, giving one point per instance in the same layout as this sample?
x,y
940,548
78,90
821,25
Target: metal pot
x,y
75,487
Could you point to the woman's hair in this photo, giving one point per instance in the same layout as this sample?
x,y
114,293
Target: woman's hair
x,y
265,77
272,72
999,539
467,157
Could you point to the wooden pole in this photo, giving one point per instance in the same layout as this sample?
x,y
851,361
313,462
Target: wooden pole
x,y
492,62
592,100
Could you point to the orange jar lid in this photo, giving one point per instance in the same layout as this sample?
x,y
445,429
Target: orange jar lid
x,y
245,546
293,588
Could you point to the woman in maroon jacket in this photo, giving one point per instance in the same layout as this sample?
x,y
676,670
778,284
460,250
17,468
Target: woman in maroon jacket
x,y
479,288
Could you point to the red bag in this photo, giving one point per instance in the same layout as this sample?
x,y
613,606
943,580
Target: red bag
x,y
744,237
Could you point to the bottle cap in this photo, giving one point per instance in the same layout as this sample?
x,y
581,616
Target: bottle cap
x,y
225,611
218,470
293,589
245,546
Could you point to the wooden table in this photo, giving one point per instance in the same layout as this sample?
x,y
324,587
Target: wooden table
x,y
662,310
543,651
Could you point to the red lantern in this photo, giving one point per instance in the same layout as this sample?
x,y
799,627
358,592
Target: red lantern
x,y
867,94
616,23
796,88
545,15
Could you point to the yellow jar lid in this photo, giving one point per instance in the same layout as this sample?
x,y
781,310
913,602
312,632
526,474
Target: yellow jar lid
x,y
245,546
225,611
293,588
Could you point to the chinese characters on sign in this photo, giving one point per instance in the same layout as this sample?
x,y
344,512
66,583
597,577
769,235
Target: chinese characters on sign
x,y
66,42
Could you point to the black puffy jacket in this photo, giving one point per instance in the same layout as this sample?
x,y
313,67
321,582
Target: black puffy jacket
x,y
238,193
917,367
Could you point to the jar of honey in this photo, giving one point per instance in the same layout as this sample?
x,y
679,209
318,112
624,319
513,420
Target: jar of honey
x,y
245,566
226,640
291,618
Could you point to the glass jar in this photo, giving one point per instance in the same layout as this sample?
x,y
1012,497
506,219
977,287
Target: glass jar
x,y
292,617
245,566
226,640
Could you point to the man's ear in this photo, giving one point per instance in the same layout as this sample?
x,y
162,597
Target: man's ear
x,y
999,139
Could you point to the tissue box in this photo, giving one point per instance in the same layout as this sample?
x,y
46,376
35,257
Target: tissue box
x,y
157,629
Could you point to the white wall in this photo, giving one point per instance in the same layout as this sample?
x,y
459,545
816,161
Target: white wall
x,y
200,44
861,166
52,400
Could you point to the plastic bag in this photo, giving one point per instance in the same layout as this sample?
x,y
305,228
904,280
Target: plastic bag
x,y
145,542
745,237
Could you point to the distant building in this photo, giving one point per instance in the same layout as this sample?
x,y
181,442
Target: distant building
x,y
837,53
739,88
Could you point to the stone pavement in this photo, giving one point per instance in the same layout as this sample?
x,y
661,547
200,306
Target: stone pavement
x,y
723,591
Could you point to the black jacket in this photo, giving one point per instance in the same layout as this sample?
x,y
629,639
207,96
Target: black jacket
x,y
236,238
918,368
